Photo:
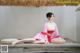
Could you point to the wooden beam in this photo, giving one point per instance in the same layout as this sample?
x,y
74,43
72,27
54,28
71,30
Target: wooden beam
x,y
38,3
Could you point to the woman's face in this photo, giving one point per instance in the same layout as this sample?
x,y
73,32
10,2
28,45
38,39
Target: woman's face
x,y
51,18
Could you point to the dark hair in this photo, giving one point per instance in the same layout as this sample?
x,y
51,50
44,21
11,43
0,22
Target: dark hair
x,y
49,14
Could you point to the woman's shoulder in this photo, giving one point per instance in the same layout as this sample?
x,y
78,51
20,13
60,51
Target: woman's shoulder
x,y
50,23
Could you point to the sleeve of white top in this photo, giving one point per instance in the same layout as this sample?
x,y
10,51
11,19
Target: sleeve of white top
x,y
56,30
45,28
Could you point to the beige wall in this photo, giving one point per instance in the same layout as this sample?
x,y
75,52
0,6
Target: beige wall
x,y
24,22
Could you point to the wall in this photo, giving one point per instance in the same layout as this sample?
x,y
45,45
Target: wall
x,y
78,25
24,22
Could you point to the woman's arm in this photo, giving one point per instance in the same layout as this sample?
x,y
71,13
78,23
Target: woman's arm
x,y
56,30
45,28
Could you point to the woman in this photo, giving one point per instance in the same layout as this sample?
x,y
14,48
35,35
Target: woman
x,y
48,35
50,32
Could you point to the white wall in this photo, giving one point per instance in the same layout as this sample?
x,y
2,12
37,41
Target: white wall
x,y
78,25
24,22
69,22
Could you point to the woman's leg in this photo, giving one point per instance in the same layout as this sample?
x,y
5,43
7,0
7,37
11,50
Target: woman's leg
x,y
31,40
58,40
39,42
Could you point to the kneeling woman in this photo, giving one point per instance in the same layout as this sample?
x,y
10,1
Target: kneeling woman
x,y
50,32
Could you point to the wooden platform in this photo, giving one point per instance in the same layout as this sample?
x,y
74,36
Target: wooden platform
x,y
69,46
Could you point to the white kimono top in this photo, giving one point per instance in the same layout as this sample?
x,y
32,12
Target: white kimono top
x,y
49,28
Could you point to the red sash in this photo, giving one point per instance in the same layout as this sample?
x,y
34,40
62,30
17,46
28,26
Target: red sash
x,y
48,37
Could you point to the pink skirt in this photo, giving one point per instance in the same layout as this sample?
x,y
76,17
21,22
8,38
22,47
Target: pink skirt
x,y
42,36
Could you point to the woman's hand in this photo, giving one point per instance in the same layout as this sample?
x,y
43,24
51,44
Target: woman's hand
x,y
48,34
45,33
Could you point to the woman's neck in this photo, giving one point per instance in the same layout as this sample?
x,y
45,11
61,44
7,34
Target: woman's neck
x,y
50,21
